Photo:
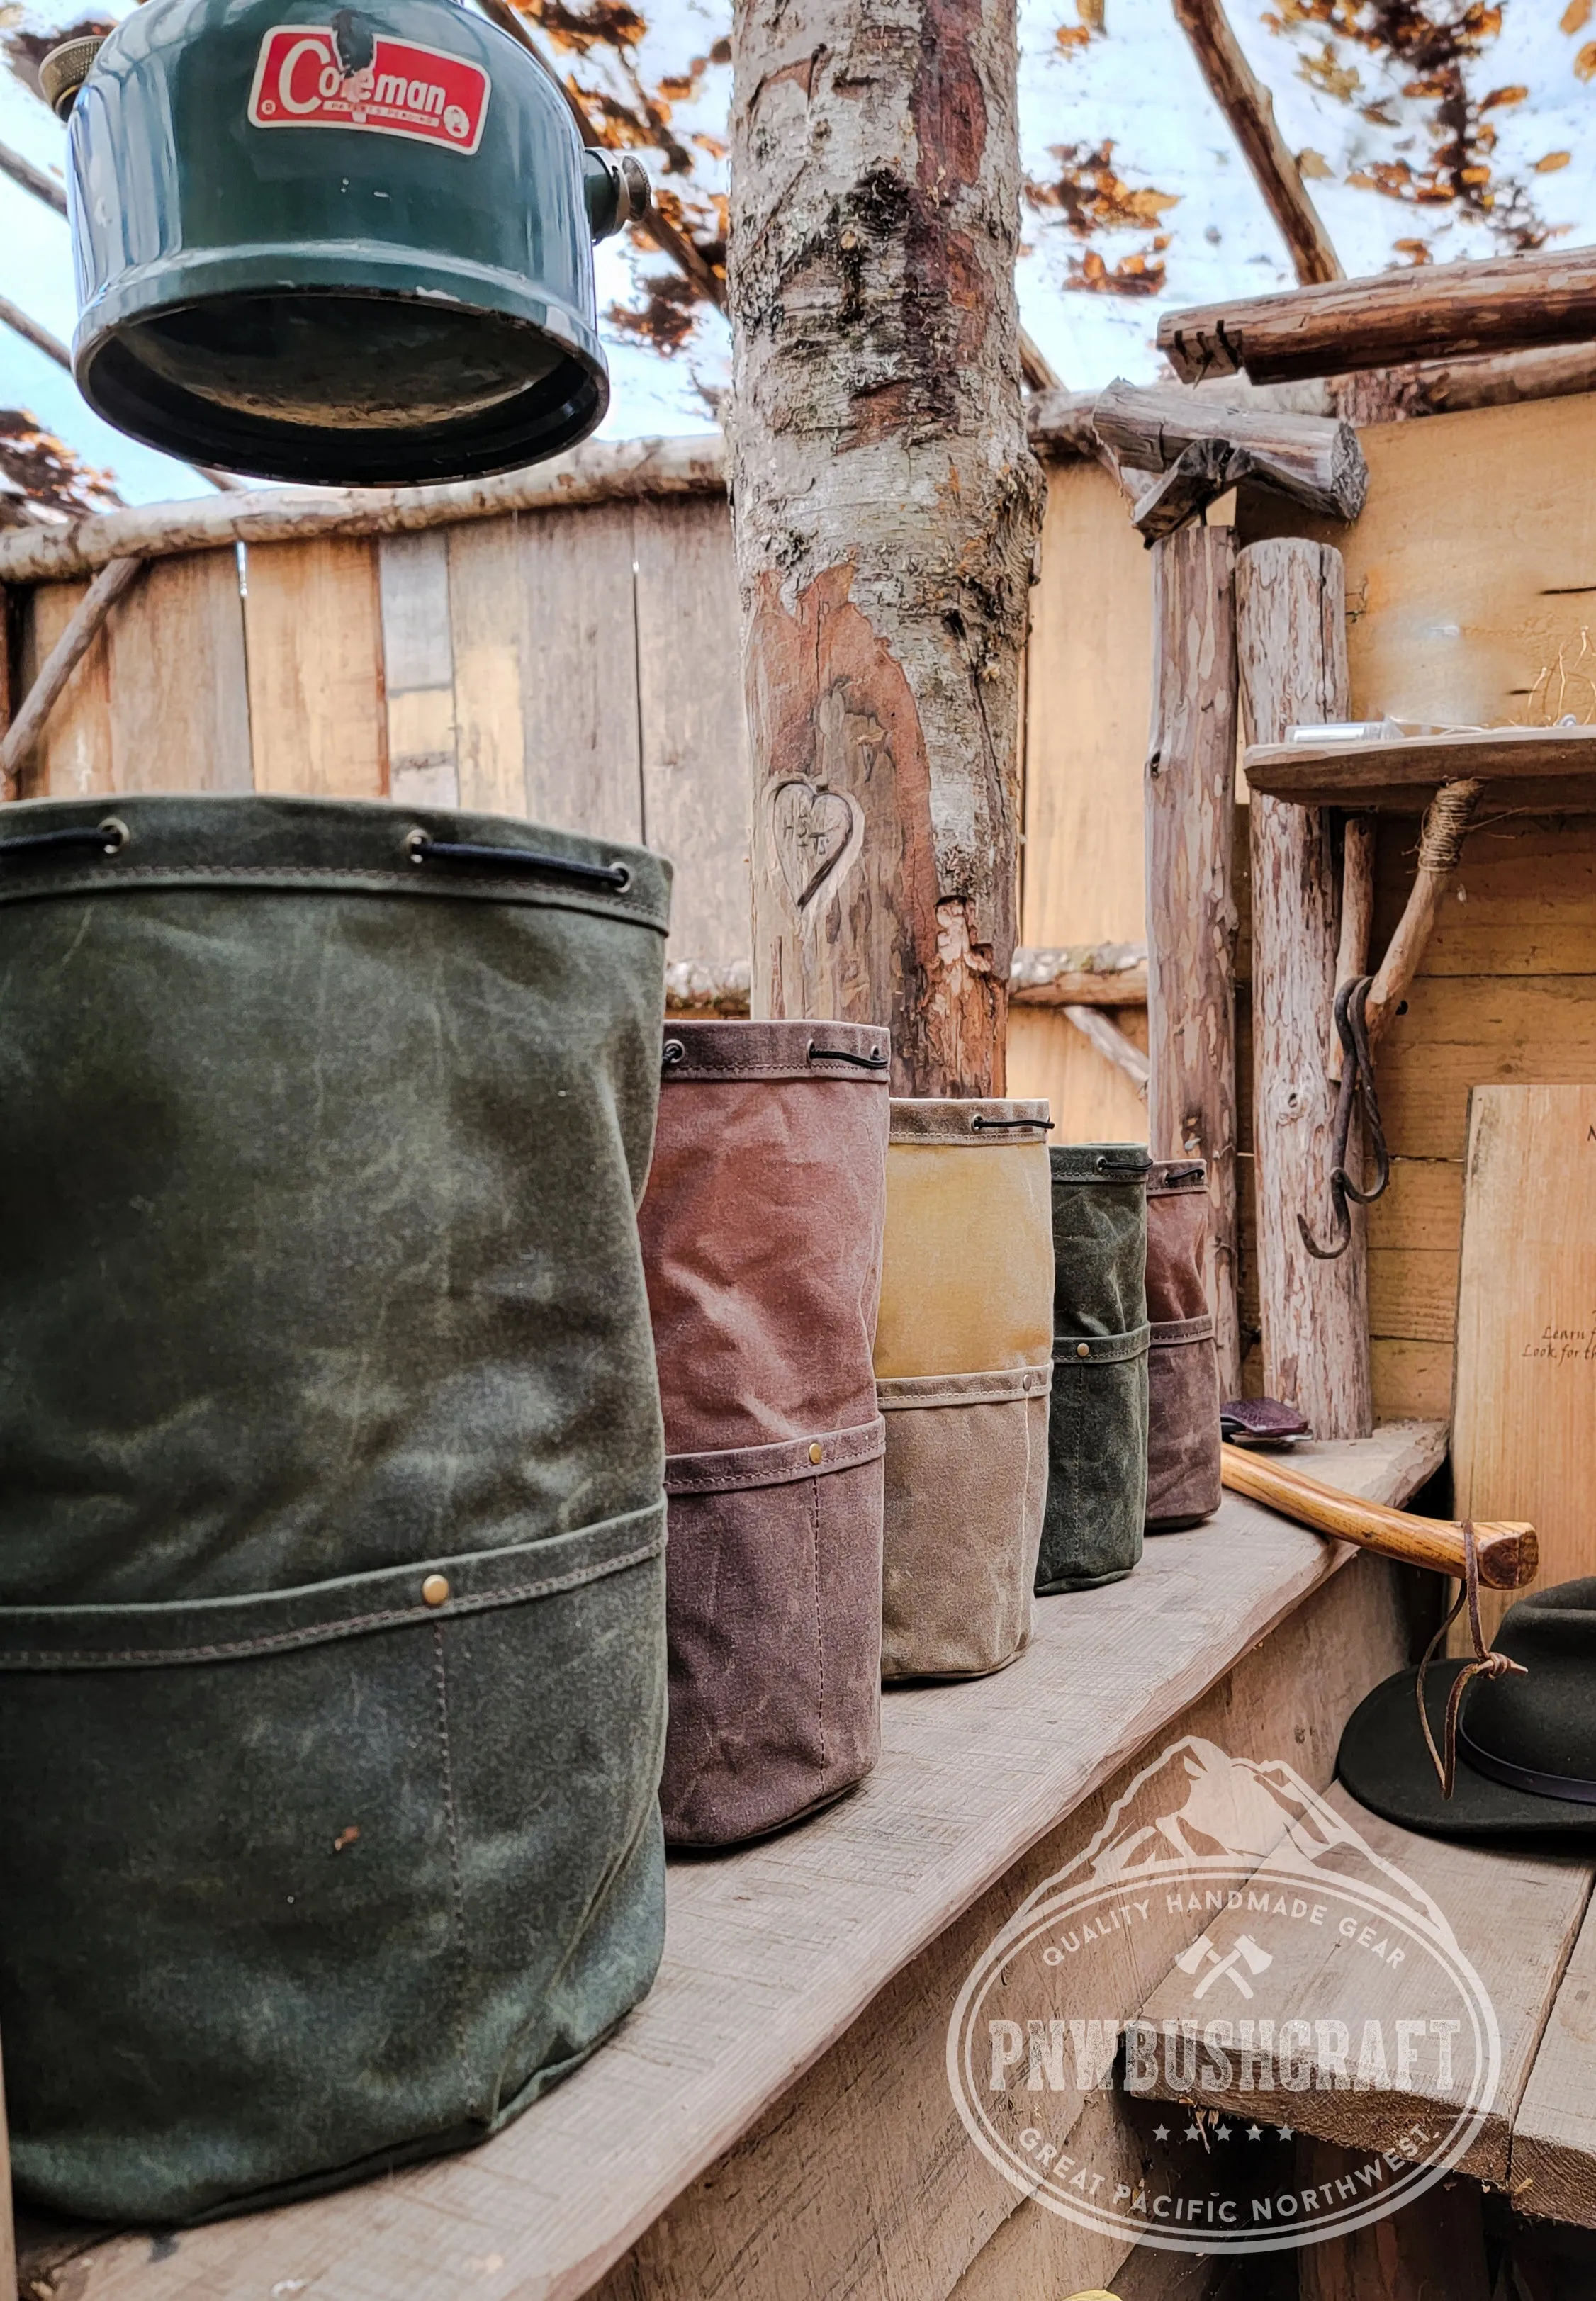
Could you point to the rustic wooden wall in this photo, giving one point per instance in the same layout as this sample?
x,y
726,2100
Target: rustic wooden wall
x,y
579,667
1088,696
1472,566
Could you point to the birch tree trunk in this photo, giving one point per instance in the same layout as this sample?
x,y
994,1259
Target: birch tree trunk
x,y
886,508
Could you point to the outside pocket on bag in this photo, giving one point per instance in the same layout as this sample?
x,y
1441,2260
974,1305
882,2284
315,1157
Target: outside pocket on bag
x,y
1097,1461
1183,1485
773,1604
323,1880
966,1478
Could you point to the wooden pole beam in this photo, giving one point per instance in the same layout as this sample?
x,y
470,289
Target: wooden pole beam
x,y
600,470
885,508
32,179
1431,312
1315,460
59,666
1247,104
1291,651
1190,908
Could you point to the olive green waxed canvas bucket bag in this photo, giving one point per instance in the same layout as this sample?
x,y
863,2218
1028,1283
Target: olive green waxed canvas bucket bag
x,y
331,1593
1097,1427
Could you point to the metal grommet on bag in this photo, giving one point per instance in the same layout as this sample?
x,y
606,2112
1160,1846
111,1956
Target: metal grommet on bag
x,y
1083,1350
817,1452
435,1590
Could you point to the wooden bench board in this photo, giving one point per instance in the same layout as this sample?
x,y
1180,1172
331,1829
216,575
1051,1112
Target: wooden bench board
x,y
1516,1917
1552,2165
772,1952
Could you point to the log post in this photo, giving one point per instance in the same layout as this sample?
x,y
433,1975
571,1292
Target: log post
x,y
885,506
1291,651
1190,909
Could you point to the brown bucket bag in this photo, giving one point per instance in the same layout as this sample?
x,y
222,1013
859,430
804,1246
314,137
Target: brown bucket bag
x,y
1182,1451
762,1245
964,1363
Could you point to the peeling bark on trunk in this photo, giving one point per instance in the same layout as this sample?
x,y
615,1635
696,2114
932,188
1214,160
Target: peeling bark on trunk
x,y
885,506
1291,653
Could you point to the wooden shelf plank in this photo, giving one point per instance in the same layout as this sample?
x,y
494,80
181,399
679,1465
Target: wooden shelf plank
x,y
1545,770
1552,2164
772,1953
1516,1917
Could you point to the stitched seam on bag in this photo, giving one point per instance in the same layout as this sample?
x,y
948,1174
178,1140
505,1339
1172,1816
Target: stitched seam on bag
x,y
174,874
872,1446
1170,1333
323,1632
819,1644
456,1889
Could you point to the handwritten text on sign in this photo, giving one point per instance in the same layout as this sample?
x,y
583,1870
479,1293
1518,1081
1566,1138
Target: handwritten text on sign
x,y
300,81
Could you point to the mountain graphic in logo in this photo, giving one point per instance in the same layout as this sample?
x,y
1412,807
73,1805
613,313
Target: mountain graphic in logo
x,y
1196,1807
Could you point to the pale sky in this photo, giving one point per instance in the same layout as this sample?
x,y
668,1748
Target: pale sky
x,y
1131,84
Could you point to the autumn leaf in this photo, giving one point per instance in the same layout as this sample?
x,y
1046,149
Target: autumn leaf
x,y
1091,15
1576,15
1584,64
1552,161
1072,36
1500,96
1416,249
1314,165
1133,275
1327,72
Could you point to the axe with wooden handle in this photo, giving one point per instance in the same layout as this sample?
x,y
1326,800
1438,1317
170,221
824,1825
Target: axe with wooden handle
x,y
1509,1555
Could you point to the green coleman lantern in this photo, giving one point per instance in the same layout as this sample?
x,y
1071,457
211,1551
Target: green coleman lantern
x,y
334,245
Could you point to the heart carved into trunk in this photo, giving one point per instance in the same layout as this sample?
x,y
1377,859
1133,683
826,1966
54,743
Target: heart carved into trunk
x,y
816,833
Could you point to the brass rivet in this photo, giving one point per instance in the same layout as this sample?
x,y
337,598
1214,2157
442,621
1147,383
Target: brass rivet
x,y
1083,1350
817,1452
435,1590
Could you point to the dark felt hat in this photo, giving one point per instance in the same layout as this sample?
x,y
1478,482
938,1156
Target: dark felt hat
x,y
1526,1745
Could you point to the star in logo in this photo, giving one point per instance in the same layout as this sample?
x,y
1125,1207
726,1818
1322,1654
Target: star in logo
x,y
1160,2133
1285,2131
1255,2133
1194,2133
1221,2133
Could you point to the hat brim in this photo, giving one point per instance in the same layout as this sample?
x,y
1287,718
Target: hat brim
x,y
1383,1761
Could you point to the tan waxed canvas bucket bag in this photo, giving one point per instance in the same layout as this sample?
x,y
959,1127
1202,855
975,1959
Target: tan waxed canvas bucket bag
x,y
963,1365
761,1247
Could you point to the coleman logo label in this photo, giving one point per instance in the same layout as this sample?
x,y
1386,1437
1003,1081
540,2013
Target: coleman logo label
x,y
309,77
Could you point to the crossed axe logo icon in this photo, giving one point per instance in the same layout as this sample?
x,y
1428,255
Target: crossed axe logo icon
x,y
1202,1953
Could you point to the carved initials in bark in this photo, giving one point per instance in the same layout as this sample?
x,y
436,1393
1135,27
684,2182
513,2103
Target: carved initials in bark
x,y
817,835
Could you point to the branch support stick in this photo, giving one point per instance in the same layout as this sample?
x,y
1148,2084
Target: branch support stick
x,y
59,666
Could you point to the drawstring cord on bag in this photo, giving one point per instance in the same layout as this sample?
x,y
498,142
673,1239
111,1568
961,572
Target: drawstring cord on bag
x,y
421,848
1486,1663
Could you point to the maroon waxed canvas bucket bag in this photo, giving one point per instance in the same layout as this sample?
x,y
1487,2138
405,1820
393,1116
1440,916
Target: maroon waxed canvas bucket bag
x,y
1183,1367
762,1245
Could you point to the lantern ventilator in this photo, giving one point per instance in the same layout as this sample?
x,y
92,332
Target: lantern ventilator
x,y
341,246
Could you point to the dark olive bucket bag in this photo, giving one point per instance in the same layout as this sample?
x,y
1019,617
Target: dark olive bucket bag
x,y
1097,1427
332,1584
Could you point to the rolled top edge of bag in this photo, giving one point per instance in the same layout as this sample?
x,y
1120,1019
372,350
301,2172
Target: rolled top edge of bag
x,y
141,843
981,1122
1167,1176
859,1052
1095,1163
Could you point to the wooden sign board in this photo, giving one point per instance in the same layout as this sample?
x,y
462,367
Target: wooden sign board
x,y
1524,1403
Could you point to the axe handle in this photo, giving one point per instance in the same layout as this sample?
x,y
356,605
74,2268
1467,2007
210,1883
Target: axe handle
x,y
1509,1555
